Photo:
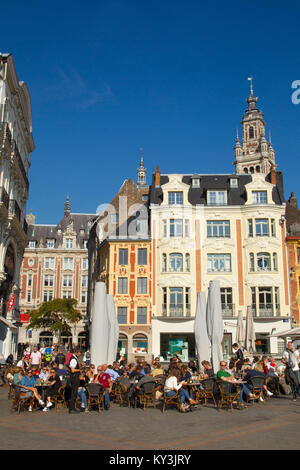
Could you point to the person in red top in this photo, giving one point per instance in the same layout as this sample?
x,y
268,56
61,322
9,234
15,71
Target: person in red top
x,y
104,379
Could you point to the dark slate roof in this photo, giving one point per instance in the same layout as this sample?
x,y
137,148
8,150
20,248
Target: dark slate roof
x,y
235,196
81,222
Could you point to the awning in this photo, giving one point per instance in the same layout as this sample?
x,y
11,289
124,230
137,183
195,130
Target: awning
x,y
8,323
287,333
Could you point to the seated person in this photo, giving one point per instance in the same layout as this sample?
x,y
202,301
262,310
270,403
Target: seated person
x,y
117,367
185,375
192,367
256,372
158,370
207,370
81,392
132,372
90,373
173,385
18,376
54,382
103,378
225,376
44,374
28,387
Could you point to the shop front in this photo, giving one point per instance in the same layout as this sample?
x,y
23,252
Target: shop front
x,y
181,344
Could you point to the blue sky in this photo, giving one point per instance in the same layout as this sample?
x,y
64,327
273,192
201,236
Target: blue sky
x,y
109,77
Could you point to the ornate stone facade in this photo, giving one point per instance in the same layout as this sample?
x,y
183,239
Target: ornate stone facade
x,y
16,145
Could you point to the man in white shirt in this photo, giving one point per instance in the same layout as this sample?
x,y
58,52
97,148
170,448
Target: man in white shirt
x,y
35,358
291,358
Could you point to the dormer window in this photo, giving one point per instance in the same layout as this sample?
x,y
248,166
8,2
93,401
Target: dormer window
x,y
69,243
50,243
175,197
259,197
217,198
195,182
233,182
32,244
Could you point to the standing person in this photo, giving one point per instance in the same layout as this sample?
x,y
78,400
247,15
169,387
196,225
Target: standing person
x,y
74,380
239,357
292,373
48,354
60,359
87,358
35,358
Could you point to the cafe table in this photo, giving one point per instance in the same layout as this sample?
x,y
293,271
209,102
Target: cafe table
x,y
42,388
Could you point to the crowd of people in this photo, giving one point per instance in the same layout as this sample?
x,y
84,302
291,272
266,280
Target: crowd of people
x,y
55,367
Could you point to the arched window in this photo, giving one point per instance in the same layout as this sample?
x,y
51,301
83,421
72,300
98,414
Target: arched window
x,y
140,344
263,262
257,169
251,170
245,170
46,338
251,132
176,262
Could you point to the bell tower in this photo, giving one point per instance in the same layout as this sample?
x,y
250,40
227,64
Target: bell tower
x,y
254,154
141,181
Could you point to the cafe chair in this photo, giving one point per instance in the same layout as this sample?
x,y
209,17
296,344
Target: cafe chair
x,y
146,395
20,401
272,386
175,400
95,396
229,395
257,383
60,397
208,391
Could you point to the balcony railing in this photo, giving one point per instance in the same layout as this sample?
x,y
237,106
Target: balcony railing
x,y
228,310
176,310
4,197
266,310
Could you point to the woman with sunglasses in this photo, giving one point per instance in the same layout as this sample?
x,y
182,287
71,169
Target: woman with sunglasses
x,y
54,385
28,387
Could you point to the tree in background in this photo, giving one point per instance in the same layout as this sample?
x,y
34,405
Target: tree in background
x,y
57,315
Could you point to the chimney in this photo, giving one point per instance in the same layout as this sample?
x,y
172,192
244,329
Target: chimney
x,y
293,200
157,177
273,175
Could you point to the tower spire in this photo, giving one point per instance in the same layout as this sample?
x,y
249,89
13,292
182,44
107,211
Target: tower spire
x,y
141,172
67,209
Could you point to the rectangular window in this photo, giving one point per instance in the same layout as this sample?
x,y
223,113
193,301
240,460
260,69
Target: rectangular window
x,y
186,228
67,281
84,263
142,285
219,262
218,228
122,285
250,228
122,315
83,297
175,227
259,197
175,197
226,301
48,280
123,256
69,243
49,263
262,227
67,294
176,301
142,256
217,198
47,295
273,233
29,296
84,281
32,243
68,263
141,315
29,280
50,243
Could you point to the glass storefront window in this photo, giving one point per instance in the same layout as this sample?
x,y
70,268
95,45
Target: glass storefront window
x,y
182,344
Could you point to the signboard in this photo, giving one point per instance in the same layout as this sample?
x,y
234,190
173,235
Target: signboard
x,y
11,302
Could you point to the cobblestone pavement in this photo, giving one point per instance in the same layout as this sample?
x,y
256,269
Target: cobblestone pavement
x,y
274,424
